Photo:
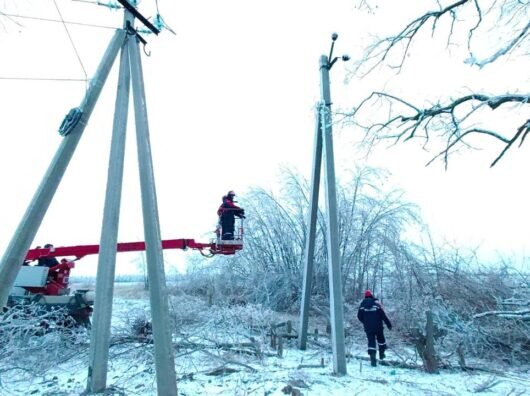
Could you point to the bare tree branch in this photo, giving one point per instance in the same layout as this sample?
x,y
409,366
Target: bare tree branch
x,y
505,13
523,129
448,120
380,50
502,51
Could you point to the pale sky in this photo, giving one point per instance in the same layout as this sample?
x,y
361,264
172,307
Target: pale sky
x,y
230,99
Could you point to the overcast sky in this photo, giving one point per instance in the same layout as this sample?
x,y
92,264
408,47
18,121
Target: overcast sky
x,y
230,99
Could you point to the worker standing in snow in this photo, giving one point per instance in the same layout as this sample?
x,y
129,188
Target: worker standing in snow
x,y
372,316
227,213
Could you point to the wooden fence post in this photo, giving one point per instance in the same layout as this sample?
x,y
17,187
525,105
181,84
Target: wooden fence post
x,y
431,364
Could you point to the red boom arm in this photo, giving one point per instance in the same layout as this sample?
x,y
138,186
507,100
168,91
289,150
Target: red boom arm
x,y
85,250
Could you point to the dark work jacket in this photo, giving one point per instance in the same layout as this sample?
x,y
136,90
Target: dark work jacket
x,y
47,262
372,316
228,210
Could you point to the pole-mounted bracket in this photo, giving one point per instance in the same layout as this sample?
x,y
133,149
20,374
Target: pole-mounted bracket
x,y
131,31
331,60
70,121
135,12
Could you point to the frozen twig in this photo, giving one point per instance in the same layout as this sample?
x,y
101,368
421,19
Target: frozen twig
x,y
448,120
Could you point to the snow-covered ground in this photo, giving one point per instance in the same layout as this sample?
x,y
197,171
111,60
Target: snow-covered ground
x,y
136,377
203,370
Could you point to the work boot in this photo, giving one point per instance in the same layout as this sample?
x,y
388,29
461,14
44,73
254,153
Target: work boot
x,y
373,359
381,354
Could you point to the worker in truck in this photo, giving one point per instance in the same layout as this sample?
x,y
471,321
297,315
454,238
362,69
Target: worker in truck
x,y
47,261
227,213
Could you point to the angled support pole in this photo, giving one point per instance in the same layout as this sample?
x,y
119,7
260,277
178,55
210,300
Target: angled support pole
x,y
311,235
27,229
164,358
324,146
101,320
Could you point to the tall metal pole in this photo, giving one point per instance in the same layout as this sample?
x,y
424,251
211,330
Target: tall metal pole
x,y
164,359
335,283
32,219
100,335
311,235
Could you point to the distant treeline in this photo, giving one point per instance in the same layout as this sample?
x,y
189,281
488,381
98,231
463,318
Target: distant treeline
x,y
122,278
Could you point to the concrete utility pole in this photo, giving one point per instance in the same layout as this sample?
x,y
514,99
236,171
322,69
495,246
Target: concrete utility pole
x,y
335,285
101,320
130,68
29,225
164,358
324,145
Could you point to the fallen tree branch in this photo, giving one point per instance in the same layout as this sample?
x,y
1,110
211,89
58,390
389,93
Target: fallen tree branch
x,y
525,314
392,363
222,370
230,361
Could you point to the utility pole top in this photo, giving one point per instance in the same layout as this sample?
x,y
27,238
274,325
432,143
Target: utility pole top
x,y
129,7
330,60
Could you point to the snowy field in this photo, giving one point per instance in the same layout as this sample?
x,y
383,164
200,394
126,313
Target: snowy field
x,y
203,368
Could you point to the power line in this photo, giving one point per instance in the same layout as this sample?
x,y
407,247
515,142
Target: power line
x,y
57,20
11,19
71,40
110,4
43,79
160,21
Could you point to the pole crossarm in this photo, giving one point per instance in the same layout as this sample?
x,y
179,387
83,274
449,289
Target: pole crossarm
x,y
140,17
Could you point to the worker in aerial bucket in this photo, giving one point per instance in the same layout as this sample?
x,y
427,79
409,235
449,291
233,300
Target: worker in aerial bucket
x,y
227,213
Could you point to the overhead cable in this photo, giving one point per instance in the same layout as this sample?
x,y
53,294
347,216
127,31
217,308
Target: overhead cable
x,y
11,19
43,79
71,40
57,20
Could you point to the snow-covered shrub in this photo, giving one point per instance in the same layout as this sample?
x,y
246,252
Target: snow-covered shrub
x,y
142,327
467,304
34,340
187,310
